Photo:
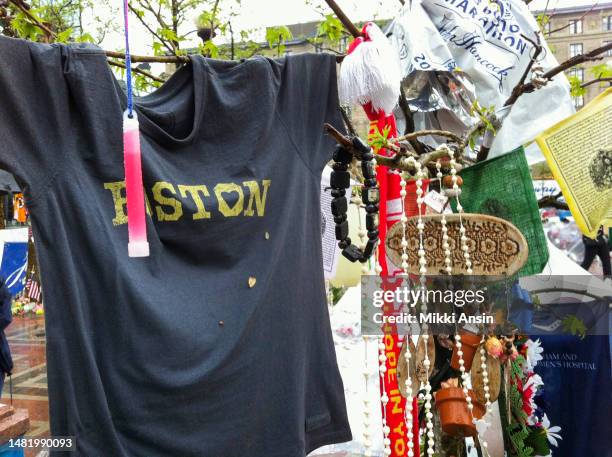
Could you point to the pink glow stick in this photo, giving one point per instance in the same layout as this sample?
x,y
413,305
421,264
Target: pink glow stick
x,y
138,245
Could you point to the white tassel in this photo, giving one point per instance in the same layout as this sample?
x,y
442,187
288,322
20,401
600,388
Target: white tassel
x,y
371,73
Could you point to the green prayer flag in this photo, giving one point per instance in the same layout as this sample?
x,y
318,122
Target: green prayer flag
x,y
502,187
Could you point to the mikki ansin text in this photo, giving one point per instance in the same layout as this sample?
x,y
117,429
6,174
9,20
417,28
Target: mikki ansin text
x,y
432,318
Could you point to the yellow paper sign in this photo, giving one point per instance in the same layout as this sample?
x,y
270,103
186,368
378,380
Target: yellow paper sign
x,y
579,153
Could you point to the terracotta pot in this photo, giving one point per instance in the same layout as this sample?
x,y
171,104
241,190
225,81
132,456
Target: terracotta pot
x,y
469,344
454,415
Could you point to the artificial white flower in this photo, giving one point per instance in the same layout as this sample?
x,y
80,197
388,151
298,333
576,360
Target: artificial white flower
x,y
534,354
552,433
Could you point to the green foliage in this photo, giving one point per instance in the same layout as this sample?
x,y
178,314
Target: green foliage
x,y
543,19
331,28
205,20
484,113
277,36
538,441
24,28
378,139
574,326
518,435
576,89
86,38
64,37
603,70
337,293
518,431
169,34
209,49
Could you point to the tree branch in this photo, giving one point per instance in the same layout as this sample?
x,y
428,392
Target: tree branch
x,y
157,14
158,59
516,92
552,201
595,81
408,115
136,70
568,24
595,54
150,29
400,161
353,30
25,9
523,88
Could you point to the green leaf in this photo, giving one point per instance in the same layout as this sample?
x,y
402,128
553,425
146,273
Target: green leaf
x,y
576,89
603,70
332,28
86,38
168,34
209,49
157,48
378,139
64,36
574,326
277,36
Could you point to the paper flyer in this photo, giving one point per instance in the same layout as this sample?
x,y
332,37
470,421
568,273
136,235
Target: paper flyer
x,y
331,251
579,153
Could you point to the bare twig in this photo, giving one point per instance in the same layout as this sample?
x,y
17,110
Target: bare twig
x,y
521,89
413,136
136,70
595,81
559,29
516,92
352,28
400,161
408,115
159,59
552,201
151,31
595,54
582,292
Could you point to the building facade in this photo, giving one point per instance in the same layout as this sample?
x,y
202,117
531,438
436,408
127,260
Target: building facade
x,y
575,30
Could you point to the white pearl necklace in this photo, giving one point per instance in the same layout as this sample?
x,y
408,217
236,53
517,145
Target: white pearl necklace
x,y
407,353
422,270
367,442
468,264
448,262
463,238
382,358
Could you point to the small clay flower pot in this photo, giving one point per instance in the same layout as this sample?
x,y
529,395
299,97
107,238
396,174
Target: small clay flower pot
x,y
454,415
469,344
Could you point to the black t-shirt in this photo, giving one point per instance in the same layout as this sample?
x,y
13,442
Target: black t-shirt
x,y
176,354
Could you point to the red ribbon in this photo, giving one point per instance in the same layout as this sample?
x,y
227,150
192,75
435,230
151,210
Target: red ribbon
x,y
389,213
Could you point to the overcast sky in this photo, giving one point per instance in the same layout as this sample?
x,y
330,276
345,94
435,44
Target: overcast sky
x,y
264,13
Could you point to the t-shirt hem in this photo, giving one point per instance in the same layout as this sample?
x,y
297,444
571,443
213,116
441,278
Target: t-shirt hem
x,y
317,439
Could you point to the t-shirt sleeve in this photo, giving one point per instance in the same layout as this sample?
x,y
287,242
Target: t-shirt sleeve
x,y
309,99
34,112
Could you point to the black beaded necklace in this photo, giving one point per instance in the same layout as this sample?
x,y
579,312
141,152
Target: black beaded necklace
x,y
370,194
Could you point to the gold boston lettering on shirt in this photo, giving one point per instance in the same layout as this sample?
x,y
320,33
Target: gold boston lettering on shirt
x,y
194,192
256,197
229,188
118,192
168,202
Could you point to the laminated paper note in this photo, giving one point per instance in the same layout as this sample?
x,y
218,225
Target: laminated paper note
x,y
579,153
331,252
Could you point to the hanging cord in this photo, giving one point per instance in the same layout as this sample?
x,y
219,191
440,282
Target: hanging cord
x,y
128,61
